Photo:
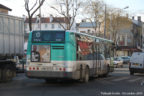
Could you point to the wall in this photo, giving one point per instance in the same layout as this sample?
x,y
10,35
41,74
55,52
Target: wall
x,y
86,30
125,37
3,11
44,26
122,53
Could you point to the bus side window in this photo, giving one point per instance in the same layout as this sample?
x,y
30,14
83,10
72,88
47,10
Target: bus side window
x,y
102,57
77,53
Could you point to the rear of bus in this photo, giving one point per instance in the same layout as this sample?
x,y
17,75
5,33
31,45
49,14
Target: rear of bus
x,y
51,54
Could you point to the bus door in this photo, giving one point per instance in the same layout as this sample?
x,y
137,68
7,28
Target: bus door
x,y
94,59
97,60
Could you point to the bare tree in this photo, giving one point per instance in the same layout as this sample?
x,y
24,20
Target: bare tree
x,y
31,11
116,22
94,10
68,9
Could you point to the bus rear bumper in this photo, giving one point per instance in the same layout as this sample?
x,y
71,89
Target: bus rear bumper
x,y
56,75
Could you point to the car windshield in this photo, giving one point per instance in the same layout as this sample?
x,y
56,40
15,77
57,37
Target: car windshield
x,y
117,59
124,57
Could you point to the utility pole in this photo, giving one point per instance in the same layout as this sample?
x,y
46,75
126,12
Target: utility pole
x,y
105,23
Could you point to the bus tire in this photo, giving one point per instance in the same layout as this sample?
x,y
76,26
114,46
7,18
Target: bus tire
x,y
50,80
81,73
86,77
108,70
131,73
0,74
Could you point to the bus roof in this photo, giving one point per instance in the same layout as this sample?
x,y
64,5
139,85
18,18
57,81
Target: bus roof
x,y
95,37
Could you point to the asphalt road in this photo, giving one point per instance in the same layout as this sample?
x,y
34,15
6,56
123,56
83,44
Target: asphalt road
x,y
118,83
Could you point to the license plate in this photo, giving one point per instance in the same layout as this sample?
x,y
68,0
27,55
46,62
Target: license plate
x,y
46,69
136,64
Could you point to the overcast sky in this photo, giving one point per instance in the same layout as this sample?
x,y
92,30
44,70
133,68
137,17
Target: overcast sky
x,y
136,7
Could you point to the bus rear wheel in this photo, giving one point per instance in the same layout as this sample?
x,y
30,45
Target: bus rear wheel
x,y
131,73
86,77
107,72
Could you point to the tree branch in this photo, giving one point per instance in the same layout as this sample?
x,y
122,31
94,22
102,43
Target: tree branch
x,y
34,5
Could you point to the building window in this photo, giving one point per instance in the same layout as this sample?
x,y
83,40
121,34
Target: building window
x,y
25,25
88,31
59,26
46,25
53,26
38,25
82,31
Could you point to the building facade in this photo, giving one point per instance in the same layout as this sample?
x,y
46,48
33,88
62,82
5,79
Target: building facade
x,y
48,23
89,28
130,39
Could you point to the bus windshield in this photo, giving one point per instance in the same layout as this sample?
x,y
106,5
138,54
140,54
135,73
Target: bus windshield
x,y
48,36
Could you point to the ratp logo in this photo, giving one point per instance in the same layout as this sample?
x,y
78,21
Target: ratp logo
x,y
38,34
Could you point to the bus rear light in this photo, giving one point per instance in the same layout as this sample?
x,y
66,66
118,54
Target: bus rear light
x,y
33,68
64,69
37,68
60,69
30,68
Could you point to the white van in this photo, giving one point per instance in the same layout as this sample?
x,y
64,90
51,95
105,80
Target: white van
x,y
136,63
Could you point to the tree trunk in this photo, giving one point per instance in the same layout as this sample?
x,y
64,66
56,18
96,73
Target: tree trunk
x,y
30,23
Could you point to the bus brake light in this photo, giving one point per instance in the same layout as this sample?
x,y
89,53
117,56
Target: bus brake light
x,y
30,68
64,69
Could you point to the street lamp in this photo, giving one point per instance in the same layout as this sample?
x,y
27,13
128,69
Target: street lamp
x,y
126,7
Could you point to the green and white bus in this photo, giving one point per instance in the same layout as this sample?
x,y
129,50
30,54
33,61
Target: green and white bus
x,y
66,55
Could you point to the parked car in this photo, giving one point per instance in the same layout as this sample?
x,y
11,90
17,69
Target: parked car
x,y
136,64
125,59
118,62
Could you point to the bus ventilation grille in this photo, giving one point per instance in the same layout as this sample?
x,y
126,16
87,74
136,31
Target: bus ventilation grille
x,y
57,47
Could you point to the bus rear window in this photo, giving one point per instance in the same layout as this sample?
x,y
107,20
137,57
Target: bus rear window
x,y
48,36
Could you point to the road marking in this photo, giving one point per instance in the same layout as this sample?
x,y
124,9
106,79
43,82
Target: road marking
x,y
121,78
20,78
109,78
135,79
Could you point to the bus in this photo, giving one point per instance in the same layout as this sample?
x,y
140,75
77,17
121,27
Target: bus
x,y
55,54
